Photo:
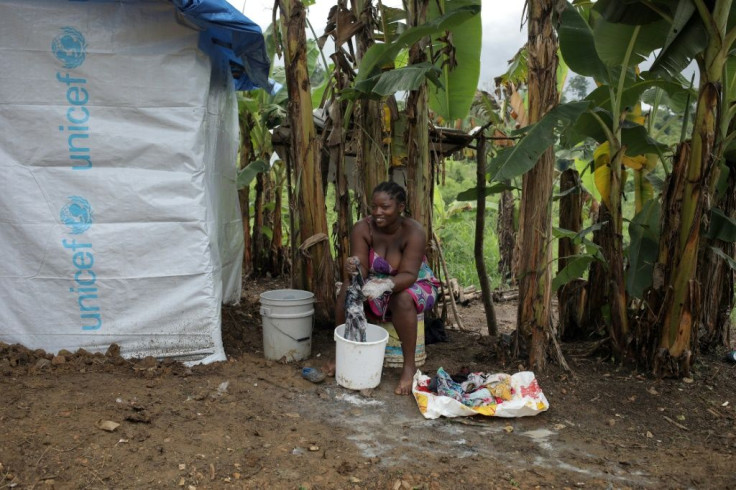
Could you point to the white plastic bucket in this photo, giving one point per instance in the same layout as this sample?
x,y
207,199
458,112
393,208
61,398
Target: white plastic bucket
x,y
287,316
358,365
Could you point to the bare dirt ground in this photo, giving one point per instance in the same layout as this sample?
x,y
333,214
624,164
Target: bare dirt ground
x,y
99,421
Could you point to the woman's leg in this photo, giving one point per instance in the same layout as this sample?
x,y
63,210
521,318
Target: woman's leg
x,y
340,304
404,317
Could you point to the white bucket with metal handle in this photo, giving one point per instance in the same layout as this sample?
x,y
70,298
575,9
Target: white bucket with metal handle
x,y
287,316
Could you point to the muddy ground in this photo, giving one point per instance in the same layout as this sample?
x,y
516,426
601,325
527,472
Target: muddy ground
x,y
100,421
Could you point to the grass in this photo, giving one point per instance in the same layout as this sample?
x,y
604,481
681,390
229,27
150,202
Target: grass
x,y
454,224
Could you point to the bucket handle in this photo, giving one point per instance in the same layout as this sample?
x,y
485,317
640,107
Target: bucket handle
x,y
267,313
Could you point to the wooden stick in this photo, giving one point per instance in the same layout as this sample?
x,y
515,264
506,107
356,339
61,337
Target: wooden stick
x,y
675,423
453,307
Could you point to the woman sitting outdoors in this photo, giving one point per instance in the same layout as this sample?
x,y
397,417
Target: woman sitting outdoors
x,y
388,248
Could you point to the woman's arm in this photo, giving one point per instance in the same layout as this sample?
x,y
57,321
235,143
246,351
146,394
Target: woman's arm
x,y
411,258
360,247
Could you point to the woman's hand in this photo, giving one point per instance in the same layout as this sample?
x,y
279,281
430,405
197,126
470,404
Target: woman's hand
x,y
352,265
375,288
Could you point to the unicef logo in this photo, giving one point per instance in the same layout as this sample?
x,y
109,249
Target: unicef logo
x,y
77,215
69,47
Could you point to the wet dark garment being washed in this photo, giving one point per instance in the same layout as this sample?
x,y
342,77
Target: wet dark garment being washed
x,y
354,312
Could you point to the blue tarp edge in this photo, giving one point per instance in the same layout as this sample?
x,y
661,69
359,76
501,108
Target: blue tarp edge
x,y
239,38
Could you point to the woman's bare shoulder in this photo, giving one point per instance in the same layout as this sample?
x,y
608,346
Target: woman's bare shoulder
x,y
413,224
361,227
414,228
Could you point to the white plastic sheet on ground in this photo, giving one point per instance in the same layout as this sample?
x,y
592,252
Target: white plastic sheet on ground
x,y
119,220
517,395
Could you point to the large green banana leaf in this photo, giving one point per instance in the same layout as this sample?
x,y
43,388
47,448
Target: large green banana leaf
x,y
382,54
577,44
518,159
401,79
452,100
633,90
247,174
634,136
721,227
612,41
644,248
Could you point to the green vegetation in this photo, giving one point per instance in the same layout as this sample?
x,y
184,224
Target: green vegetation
x,y
454,223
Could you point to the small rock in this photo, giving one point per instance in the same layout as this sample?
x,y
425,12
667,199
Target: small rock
x,y
42,363
107,425
314,448
57,360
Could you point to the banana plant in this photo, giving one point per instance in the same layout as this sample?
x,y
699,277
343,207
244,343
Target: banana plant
x,y
373,80
703,32
609,53
584,32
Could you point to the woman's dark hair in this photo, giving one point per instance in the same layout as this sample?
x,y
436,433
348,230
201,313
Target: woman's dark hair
x,y
394,191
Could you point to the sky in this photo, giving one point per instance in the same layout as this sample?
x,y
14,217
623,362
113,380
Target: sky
x,y
503,33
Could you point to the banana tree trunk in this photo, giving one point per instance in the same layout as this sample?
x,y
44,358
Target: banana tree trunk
x,y
533,316
682,302
717,279
312,269
371,167
244,201
336,144
596,291
419,171
246,156
263,218
613,251
571,296
506,232
276,247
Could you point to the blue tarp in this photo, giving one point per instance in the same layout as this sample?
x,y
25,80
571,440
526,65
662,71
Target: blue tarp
x,y
231,32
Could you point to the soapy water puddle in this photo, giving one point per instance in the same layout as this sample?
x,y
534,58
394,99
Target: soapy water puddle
x,y
541,437
392,428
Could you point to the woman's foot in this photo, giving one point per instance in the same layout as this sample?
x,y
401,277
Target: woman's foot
x,y
405,382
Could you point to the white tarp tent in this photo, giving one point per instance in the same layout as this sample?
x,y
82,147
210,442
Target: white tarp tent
x,y
119,219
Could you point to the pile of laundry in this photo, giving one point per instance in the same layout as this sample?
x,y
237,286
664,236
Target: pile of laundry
x,y
471,393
